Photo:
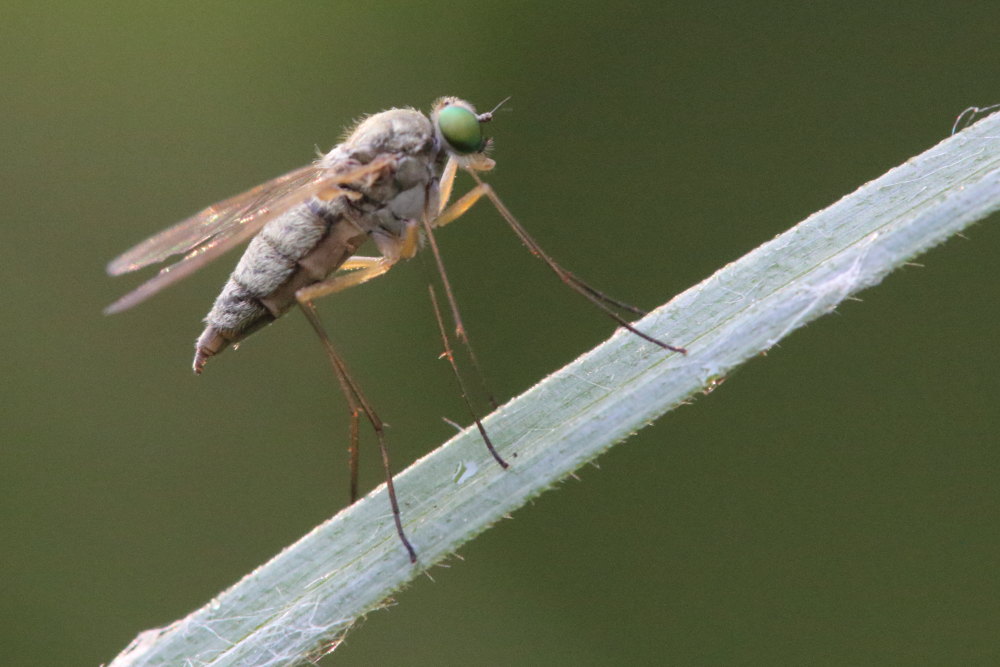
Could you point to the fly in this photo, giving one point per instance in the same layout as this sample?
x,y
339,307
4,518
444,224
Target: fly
x,y
389,182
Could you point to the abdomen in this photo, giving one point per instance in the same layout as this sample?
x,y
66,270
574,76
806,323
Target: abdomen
x,y
262,286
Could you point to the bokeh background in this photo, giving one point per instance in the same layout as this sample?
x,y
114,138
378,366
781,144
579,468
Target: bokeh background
x,y
833,503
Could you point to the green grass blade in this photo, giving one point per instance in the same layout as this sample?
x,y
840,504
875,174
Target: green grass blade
x,y
309,595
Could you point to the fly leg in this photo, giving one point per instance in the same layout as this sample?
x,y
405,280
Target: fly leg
x,y
450,356
598,298
362,270
366,269
445,188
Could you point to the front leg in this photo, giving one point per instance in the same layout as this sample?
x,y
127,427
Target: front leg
x,y
598,298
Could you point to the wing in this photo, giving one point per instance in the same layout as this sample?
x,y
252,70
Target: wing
x,y
205,224
220,227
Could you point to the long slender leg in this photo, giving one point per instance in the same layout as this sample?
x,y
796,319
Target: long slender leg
x,y
446,184
445,188
364,268
596,297
354,407
466,201
356,399
458,376
456,316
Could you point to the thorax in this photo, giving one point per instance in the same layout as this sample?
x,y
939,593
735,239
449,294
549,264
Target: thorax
x,y
410,186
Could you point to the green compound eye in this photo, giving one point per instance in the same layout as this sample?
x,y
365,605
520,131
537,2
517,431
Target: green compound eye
x,y
460,128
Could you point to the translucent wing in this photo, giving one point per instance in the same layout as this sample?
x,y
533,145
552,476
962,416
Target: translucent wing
x,y
220,227
205,224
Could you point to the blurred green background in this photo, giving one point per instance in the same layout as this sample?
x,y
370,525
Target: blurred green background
x,y
834,503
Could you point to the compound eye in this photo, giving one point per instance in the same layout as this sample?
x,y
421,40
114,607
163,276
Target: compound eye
x,y
460,128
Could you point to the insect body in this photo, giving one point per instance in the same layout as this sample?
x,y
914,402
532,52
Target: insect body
x,y
378,184
309,243
389,181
